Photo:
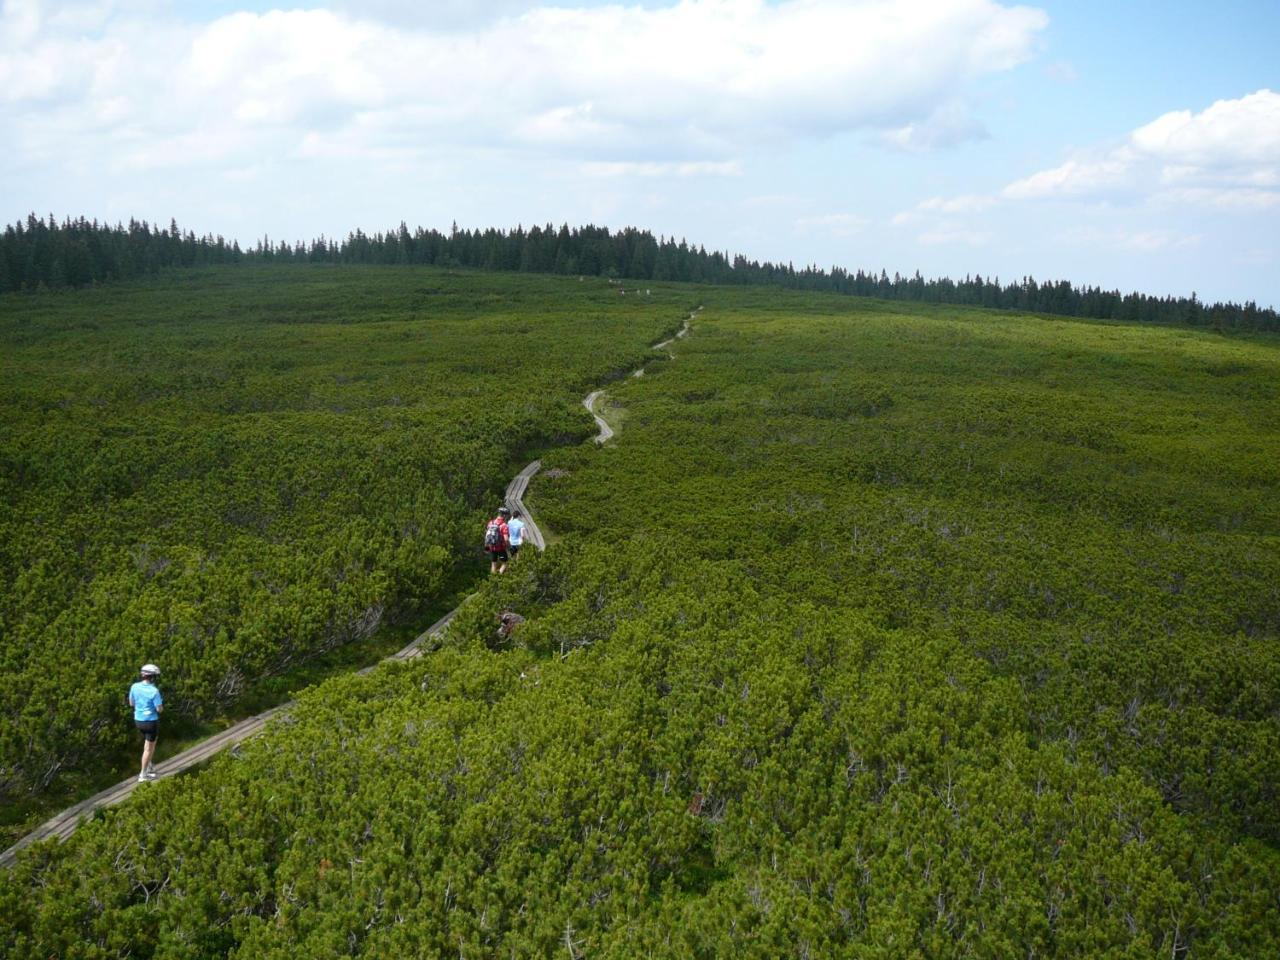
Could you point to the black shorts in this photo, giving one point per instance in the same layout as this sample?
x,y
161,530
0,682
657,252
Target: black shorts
x,y
514,550
498,556
150,729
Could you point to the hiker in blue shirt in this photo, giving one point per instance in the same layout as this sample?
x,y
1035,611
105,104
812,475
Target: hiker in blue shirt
x,y
515,533
144,697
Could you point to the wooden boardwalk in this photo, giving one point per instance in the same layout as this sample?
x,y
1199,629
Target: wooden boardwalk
x,y
65,823
605,432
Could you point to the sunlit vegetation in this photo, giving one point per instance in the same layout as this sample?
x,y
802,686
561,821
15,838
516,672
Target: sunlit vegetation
x,y
878,631
233,471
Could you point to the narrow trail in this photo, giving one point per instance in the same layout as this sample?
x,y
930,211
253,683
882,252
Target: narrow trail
x,y
64,824
605,431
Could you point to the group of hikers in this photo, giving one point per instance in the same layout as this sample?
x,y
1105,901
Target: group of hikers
x,y
503,538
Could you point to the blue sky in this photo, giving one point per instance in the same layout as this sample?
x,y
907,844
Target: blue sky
x,y
1127,144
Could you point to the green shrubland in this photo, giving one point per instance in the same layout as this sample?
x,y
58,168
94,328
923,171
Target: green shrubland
x,y
232,471
878,632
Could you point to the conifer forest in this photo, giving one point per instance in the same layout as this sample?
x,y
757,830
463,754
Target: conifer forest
x,y
44,254
936,620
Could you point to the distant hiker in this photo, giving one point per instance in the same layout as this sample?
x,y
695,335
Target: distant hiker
x,y
496,543
515,533
144,697
508,620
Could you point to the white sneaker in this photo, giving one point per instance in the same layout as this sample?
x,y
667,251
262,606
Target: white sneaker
x,y
142,778
151,773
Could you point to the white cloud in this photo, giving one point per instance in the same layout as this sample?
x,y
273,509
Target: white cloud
x,y
950,206
1078,177
281,67
1226,156
941,220
567,125
699,81
20,20
1229,133
948,126
42,52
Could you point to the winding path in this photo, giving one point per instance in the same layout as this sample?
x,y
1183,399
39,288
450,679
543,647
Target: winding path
x,y
606,431
589,401
64,824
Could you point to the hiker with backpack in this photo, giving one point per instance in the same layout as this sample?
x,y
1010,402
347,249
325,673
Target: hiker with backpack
x,y
144,697
497,541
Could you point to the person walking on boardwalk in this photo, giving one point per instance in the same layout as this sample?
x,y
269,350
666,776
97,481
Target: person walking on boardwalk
x,y
515,533
144,697
496,542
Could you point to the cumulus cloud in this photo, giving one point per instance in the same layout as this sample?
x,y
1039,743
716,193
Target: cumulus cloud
x,y
43,54
1077,177
699,81
1226,156
1231,133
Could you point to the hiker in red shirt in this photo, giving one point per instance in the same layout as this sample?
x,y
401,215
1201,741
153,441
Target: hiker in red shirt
x,y
497,541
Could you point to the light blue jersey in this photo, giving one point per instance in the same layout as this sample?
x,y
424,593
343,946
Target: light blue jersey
x,y
145,697
515,531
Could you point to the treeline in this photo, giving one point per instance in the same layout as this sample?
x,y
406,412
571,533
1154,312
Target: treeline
x,y
80,252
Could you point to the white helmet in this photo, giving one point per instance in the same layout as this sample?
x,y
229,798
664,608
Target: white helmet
x,y
150,670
